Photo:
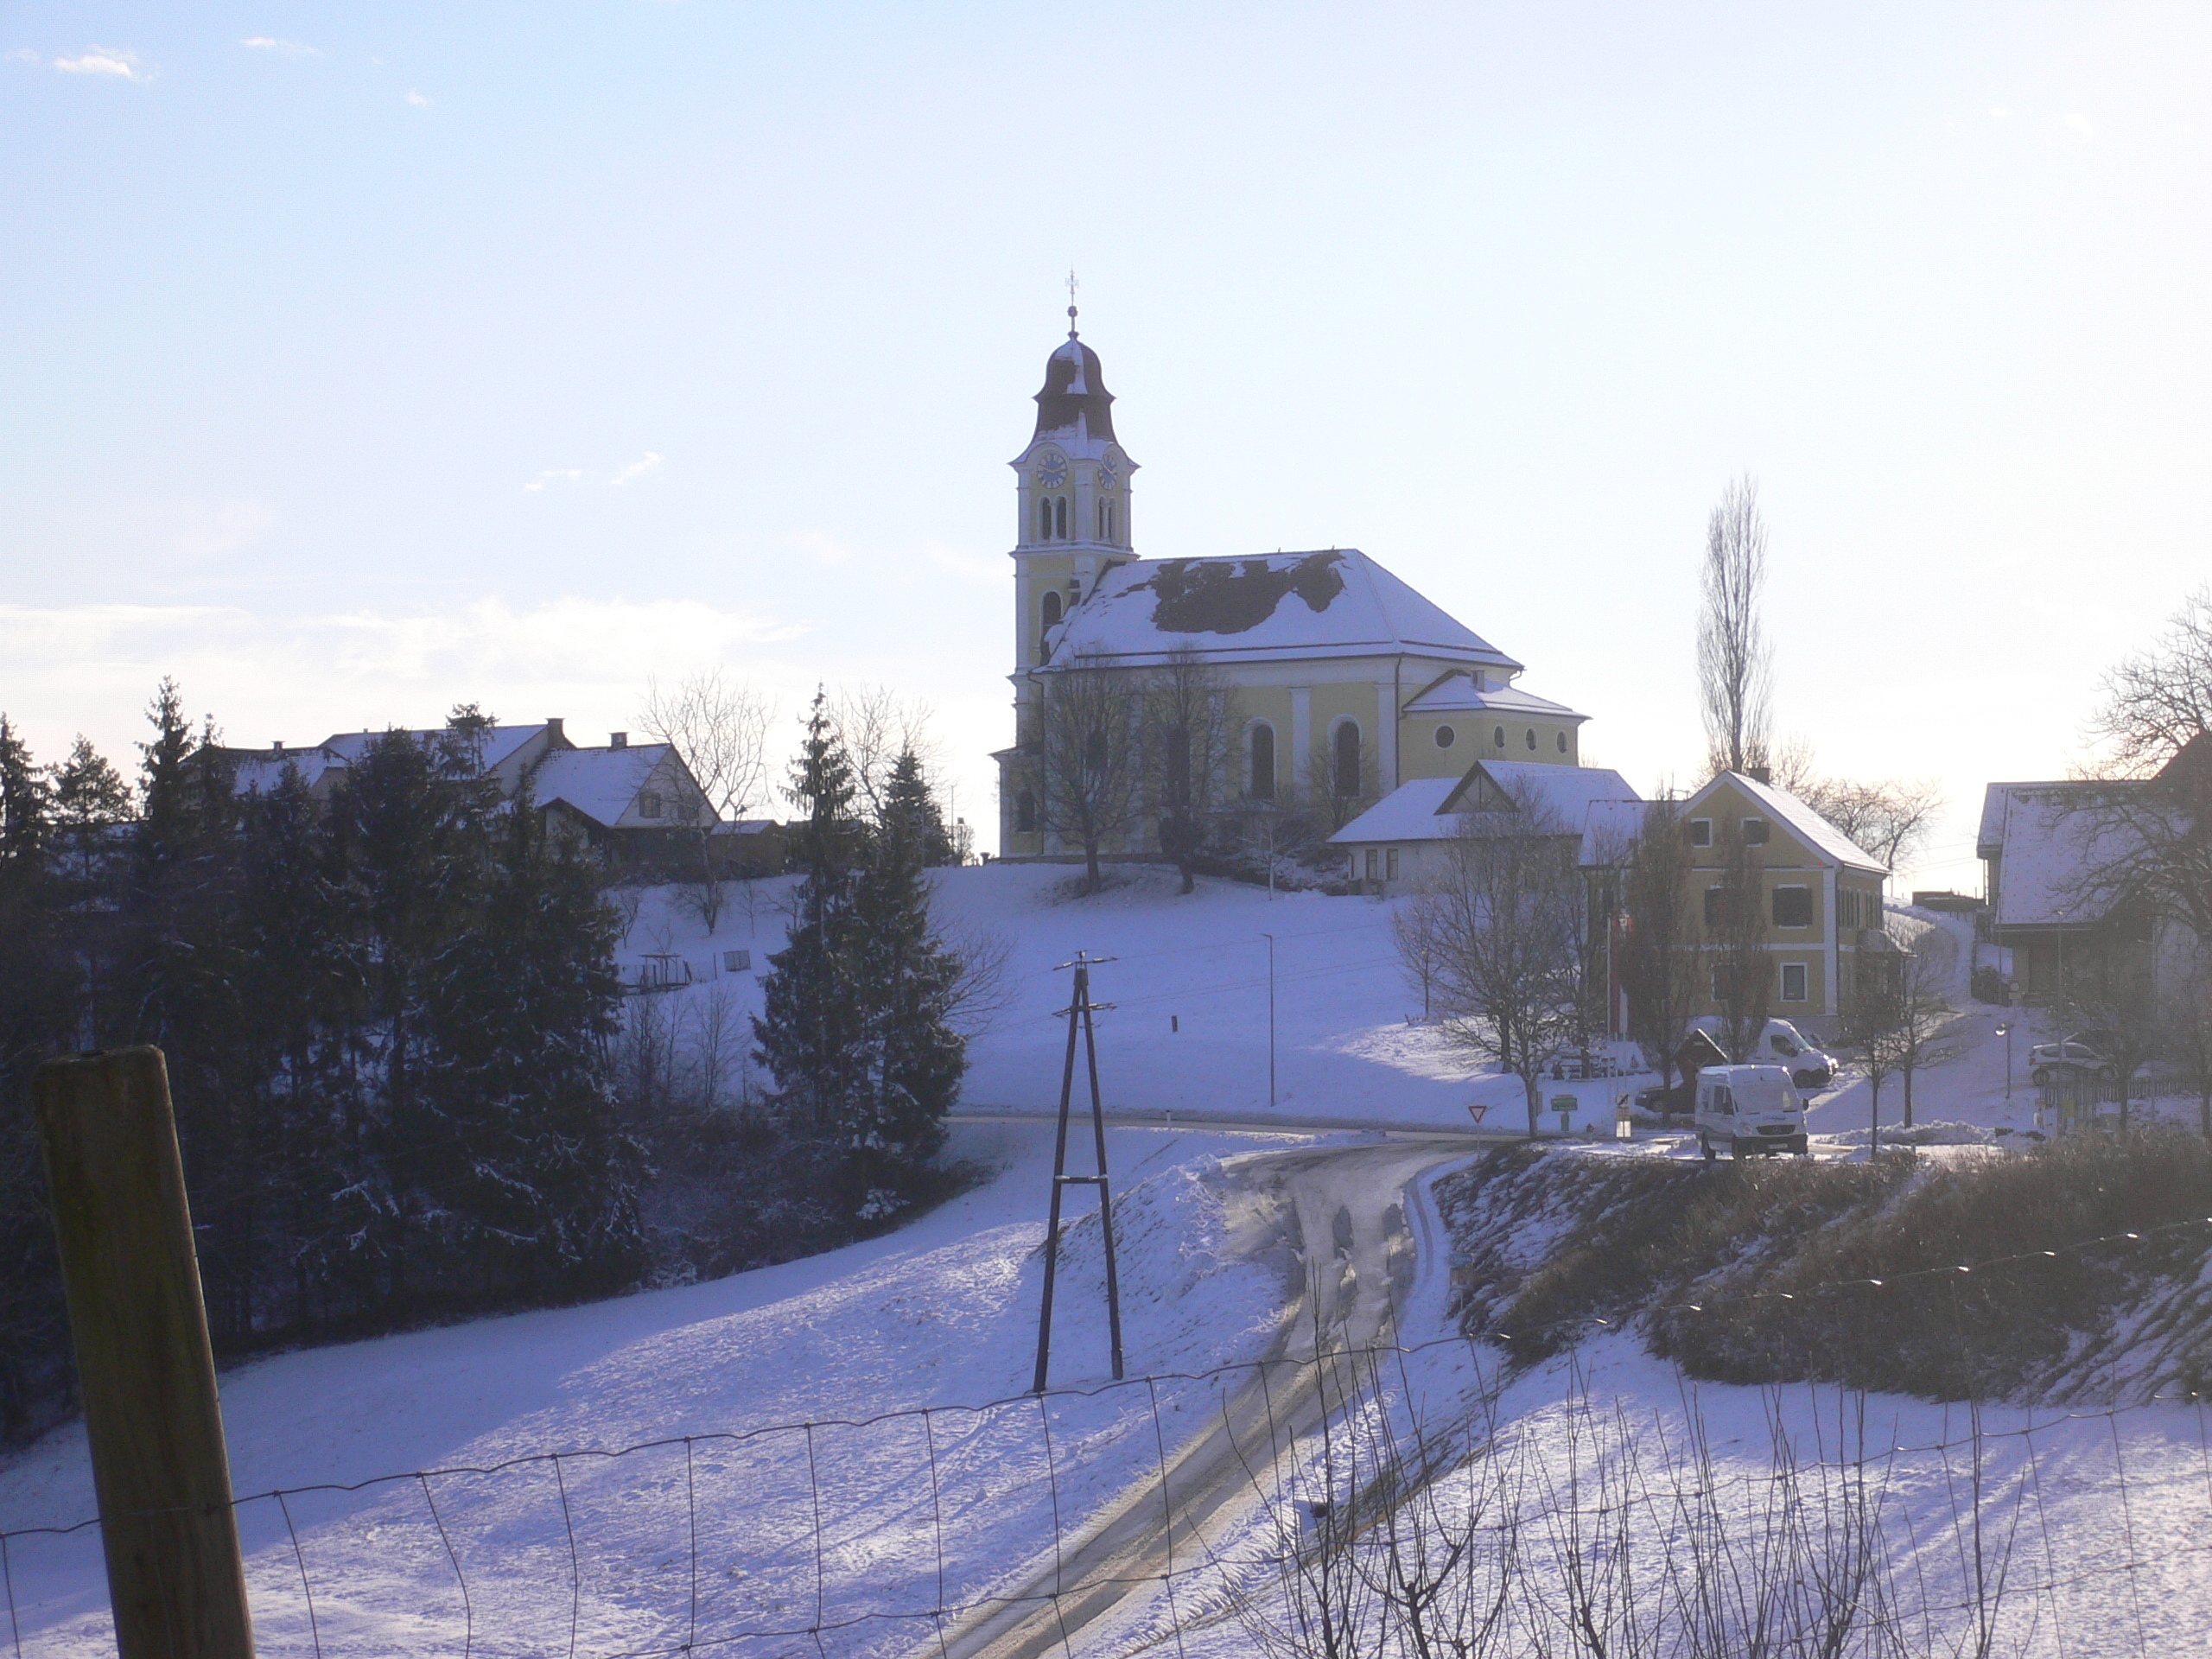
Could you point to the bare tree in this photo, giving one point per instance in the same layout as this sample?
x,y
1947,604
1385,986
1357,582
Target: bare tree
x,y
2107,995
1089,757
1188,755
2185,1012
1735,664
1927,1020
1733,914
1870,1033
877,725
1658,956
1503,918
720,733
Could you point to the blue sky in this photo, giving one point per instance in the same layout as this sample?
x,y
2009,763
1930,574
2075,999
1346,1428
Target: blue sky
x,y
356,362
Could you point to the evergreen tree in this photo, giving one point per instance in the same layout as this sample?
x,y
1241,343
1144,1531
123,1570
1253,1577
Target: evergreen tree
x,y
529,1184
905,980
812,1034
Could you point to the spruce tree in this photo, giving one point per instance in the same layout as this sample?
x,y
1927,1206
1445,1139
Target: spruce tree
x,y
906,980
812,1034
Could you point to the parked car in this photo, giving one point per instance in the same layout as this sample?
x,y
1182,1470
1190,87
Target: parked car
x,y
1753,1110
2075,1053
1782,1044
1660,1098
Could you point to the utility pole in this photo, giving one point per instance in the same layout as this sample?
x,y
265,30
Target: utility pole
x,y
1079,1009
1270,938
144,1367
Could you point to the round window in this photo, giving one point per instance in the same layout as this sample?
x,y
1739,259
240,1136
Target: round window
x,y
1445,737
1562,742
1498,737
1532,737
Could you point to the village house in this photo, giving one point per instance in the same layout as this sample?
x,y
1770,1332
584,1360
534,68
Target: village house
x,y
1821,895
1343,684
635,805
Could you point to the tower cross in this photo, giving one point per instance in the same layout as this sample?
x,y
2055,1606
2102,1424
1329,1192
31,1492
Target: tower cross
x,y
1072,288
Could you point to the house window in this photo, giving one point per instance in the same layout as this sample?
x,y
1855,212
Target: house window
x,y
1498,737
1716,905
737,962
1025,813
1446,737
1263,762
1390,863
1043,520
1793,906
1793,981
1347,759
1720,986
1562,742
1374,863
1531,735
649,806
1700,832
1754,832
1060,517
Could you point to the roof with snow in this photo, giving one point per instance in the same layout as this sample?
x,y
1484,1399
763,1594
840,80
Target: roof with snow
x,y
2048,840
1585,801
1337,603
601,784
1609,828
496,743
1458,694
1825,838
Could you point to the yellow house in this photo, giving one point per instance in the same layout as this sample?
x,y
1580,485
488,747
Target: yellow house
x,y
1821,895
1343,682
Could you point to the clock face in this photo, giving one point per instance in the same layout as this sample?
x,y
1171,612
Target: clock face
x,y
1107,475
1051,470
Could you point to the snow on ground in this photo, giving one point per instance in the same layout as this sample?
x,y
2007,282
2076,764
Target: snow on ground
x,y
941,1315
1188,1033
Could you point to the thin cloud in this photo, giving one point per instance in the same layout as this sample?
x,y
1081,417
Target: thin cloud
x,y
636,469
417,99
105,60
282,48
24,54
556,475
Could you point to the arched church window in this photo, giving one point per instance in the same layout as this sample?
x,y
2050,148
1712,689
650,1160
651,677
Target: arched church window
x,y
1051,608
1060,516
1101,521
1110,521
1044,519
1025,813
1052,615
1498,737
1562,742
1263,762
1347,759
1532,737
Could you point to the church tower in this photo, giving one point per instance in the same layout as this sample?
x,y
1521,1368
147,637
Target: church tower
x,y
1071,497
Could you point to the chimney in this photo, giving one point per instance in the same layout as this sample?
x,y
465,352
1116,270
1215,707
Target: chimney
x,y
559,737
277,748
618,739
1759,774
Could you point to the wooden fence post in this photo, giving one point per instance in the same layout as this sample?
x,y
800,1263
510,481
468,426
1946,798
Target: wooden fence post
x,y
144,1367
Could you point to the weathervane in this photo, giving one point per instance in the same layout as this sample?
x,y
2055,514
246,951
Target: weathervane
x,y
1072,288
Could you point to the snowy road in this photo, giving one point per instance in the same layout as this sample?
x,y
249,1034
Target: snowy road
x,y
1359,1245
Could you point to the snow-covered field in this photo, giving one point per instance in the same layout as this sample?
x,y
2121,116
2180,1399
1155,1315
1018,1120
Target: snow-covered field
x,y
929,1478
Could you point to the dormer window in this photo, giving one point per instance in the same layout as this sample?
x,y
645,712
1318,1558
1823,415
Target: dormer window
x,y
649,806
1755,832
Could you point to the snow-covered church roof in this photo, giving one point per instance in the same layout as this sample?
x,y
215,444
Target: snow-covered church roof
x,y
1337,603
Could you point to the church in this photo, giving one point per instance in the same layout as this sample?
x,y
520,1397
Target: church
x,y
1343,682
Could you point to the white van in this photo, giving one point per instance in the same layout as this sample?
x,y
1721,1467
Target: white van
x,y
1780,1043
1751,1109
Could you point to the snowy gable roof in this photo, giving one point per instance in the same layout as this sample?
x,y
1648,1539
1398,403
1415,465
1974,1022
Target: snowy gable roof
x,y
1823,838
2049,842
1429,809
601,784
1458,694
1338,603
1609,828
499,742
263,770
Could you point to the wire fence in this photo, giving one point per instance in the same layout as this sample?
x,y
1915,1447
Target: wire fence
x,y
1374,1499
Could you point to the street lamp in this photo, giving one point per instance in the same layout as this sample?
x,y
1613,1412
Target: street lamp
x,y
1270,938
2005,1030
